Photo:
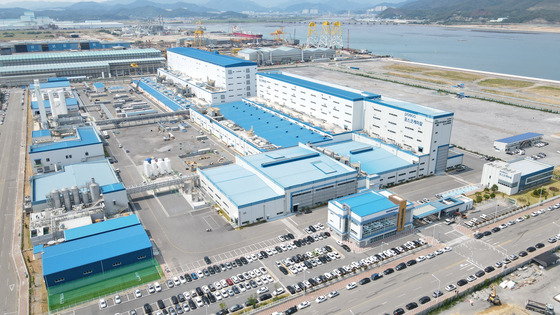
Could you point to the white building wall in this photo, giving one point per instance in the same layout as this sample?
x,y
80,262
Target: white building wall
x,y
115,201
493,173
64,157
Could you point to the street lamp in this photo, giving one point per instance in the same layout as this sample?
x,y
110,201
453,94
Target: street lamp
x,y
303,280
382,242
438,288
496,213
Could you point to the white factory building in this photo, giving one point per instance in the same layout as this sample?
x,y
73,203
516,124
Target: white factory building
x,y
284,54
517,175
271,185
53,149
421,130
210,76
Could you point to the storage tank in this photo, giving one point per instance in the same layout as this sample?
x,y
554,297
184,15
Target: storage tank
x,y
155,170
85,196
94,190
66,196
55,195
161,166
168,166
62,109
147,169
76,194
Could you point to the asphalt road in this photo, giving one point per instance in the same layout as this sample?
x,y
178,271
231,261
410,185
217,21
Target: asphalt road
x,y
10,138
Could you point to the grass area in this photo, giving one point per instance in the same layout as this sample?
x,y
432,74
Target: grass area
x,y
505,83
530,97
550,91
419,78
405,68
98,285
527,198
453,75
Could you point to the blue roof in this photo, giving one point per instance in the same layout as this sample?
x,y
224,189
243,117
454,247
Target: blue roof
x,y
85,136
71,101
99,85
102,227
51,84
38,249
373,160
75,174
40,133
87,250
366,203
521,137
338,91
242,186
297,166
112,188
212,57
273,128
412,108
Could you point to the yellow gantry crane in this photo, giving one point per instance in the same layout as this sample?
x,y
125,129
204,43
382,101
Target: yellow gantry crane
x,y
278,35
198,35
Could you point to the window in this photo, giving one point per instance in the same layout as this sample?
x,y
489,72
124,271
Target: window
x,y
141,257
58,280
48,160
87,153
117,264
38,162
87,272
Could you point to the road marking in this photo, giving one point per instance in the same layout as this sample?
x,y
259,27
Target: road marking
x,y
504,243
455,264
12,287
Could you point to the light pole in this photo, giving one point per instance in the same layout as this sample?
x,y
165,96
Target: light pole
x,y
496,213
540,195
438,288
303,280
382,242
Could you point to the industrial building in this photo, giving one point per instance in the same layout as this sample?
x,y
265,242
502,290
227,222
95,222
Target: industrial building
x,y
18,68
53,149
448,206
516,175
369,216
96,249
284,54
56,97
8,48
209,76
521,141
78,185
271,185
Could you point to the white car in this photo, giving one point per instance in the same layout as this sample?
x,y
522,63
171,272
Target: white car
x,y
420,258
199,302
217,285
450,287
151,289
138,293
187,295
218,295
262,290
321,299
278,291
447,249
118,299
102,303
223,282
520,219
303,305
503,226
157,286
471,278
430,256
200,274
438,252
351,286
176,280
333,294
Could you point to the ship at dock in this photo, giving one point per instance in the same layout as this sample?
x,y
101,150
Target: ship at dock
x,y
238,32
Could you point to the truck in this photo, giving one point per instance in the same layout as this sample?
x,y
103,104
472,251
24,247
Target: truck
x,y
538,307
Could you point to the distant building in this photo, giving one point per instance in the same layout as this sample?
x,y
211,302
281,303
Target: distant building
x,y
284,54
15,47
520,141
517,175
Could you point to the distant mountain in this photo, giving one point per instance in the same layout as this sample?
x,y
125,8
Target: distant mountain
x,y
234,5
455,11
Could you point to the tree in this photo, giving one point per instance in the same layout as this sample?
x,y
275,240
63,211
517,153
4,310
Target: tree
x,y
223,306
492,195
494,188
252,300
486,196
486,189
478,199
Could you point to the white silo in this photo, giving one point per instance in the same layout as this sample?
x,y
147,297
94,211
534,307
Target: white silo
x,y
55,195
147,169
52,102
66,196
155,170
62,109
94,190
168,166
75,194
85,196
161,166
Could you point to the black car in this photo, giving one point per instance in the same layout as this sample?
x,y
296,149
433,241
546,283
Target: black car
x,y
411,305
240,262
398,311
283,270
211,287
278,249
310,240
291,236
478,236
328,248
308,264
400,266
323,278
217,269
253,283
327,234
342,271
487,233
327,258
291,310
211,270
312,228
489,269
265,297
188,277
205,300
376,276
496,229
480,273
346,248
411,262
462,282
531,249
264,254
244,260
300,257
523,253
291,289
211,297
297,243
364,281
222,312
388,271
148,308
192,304
322,259
199,291
424,299
207,260
160,304
235,289
312,281
539,245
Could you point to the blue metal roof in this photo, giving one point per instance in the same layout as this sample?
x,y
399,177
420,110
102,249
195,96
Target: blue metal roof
x,y
40,133
87,250
112,188
85,136
521,137
101,227
212,57
240,185
76,174
99,85
273,128
366,203
71,101
373,160
412,108
51,85
297,166
338,91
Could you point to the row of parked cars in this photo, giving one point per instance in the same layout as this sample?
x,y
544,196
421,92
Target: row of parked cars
x,y
308,260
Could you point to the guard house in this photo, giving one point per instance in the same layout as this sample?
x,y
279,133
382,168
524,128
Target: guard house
x,y
517,142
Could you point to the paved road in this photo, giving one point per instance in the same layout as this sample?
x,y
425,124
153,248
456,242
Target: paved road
x,y
10,138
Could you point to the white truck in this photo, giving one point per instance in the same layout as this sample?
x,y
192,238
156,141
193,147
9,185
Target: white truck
x,y
538,307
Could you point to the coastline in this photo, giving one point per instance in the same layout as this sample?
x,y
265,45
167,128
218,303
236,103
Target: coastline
x,y
508,28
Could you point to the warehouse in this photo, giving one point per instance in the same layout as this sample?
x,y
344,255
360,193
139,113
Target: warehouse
x,y
284,54
369,216
521,141
516,175
51,150
58,45
210,76
272,185
96,249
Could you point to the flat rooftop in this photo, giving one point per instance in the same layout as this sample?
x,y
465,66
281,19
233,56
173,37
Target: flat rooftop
x,y
366,203
212,57
424,210
373,160
322,87
84,136
297,166
51,85
40,133
101,227
521,137
273,128
70,101
242,186
412,108
527,166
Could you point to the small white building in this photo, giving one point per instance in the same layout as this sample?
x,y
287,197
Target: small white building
x,y
50,153
517,175
521,141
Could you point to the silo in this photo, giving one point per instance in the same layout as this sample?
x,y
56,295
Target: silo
x,y
147,169
168,166
155,170
161,166
62,110
75,194
55,195
66,196
85,196
94,190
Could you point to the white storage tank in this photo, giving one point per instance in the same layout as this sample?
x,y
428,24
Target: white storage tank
x,y
168,166
155,170
147,169
55,195
161,166
76,194
66,196
94,190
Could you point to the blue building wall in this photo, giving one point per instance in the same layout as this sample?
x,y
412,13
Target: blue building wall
x,y
546,173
